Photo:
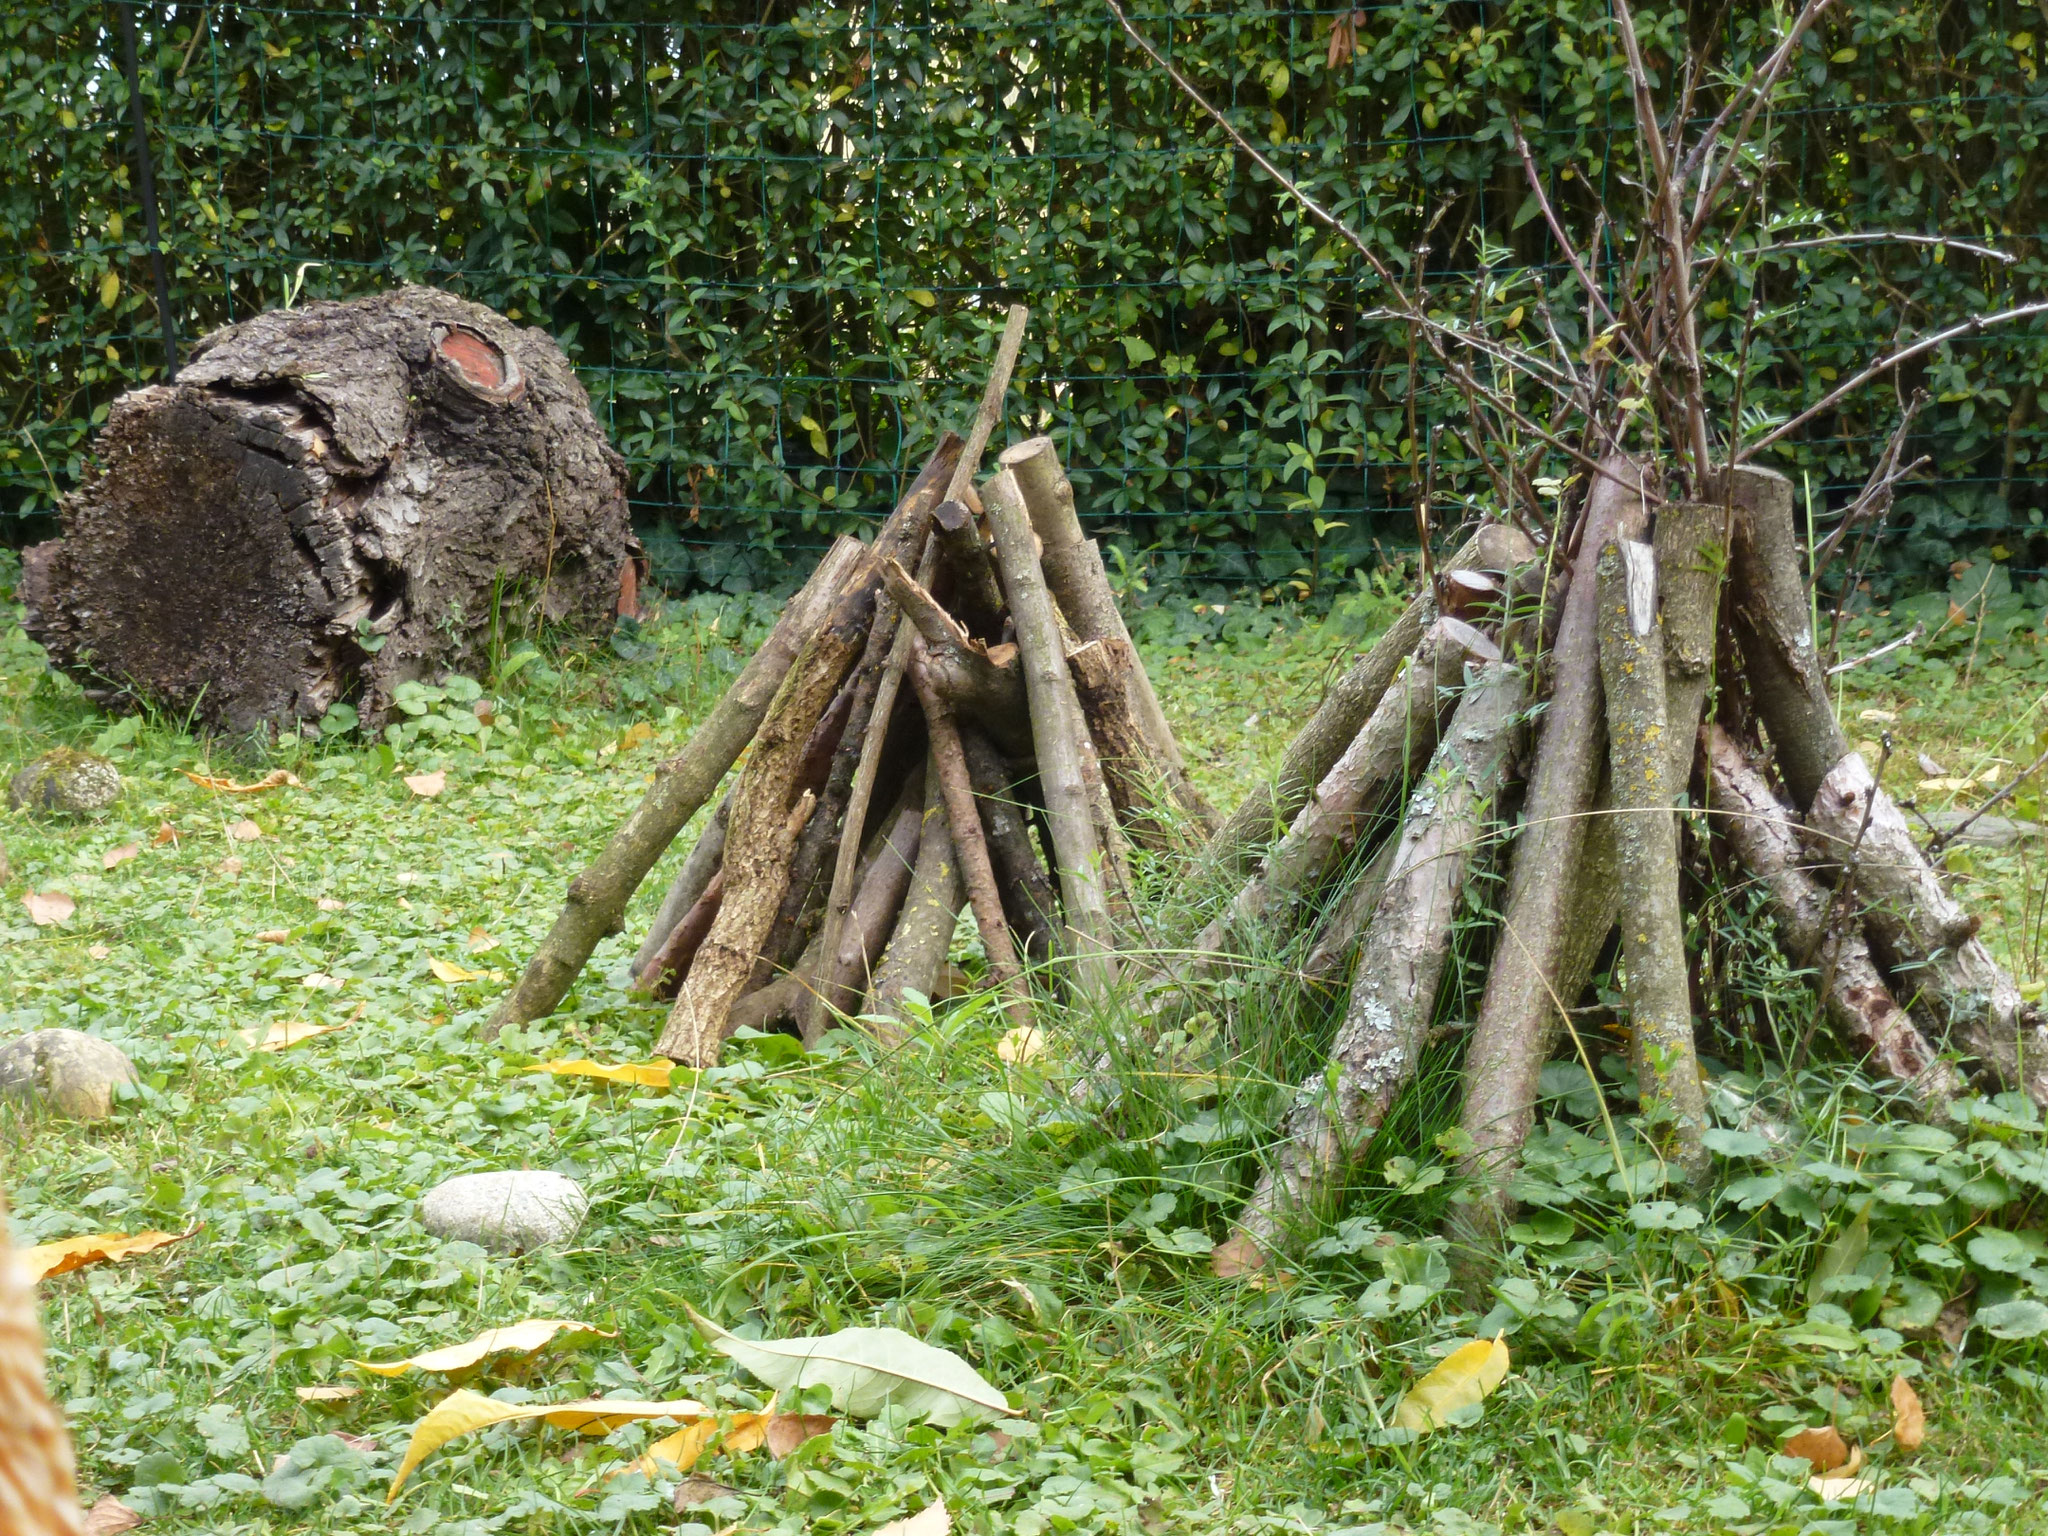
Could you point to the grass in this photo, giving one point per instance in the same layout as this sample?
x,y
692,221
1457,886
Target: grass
x,y
1662,1346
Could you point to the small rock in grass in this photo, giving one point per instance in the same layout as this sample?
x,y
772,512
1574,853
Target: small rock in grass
x,y
72,1072
65,782
508,1212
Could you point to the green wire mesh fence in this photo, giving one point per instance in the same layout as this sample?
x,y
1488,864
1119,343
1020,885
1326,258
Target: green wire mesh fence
x,y
776,237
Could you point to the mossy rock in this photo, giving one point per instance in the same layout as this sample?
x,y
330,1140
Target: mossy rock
x,y
65,782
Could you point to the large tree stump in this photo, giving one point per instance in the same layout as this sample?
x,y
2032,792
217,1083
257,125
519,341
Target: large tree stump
x,y
329,501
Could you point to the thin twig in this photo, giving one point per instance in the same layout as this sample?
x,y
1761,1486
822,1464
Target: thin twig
x,y
1758,91
1883,650
1935,848
1869,237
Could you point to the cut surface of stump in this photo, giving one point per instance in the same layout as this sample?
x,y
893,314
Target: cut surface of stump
x,y
328,501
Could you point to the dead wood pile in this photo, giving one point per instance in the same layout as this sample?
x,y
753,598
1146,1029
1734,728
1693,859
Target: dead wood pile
x,y
952,715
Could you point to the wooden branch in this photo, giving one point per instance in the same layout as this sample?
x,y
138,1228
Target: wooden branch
x,y
597,897
964,557
1518,1015
960,480
1103,682
1391,750
985,686
1400,966
949,759
1923,933
877,904
1330,958
1646,837
924,933
1028,898
1058,735
663,977
1075,576
1773,624
1268,811
763,836
1766,840
688,885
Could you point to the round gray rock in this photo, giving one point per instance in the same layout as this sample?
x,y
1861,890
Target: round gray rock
x,y
71,1072
508,1212
65,782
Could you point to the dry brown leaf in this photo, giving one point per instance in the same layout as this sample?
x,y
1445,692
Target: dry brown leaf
x,y
525,1338
230,865
933,1520
1824,1448
1909,1419
480,942
104,1247
361,1443
165,833
109,1516
329,904
98,951
330,1394
244,831
427,785
274,936
692,1491
1236,1257
114,858
48,907
787,1431
277,778
286,1033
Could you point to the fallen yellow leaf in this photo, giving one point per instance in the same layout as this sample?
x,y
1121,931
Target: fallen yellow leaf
x,y
330,1394
427,785
98,951
274,936
642,1074
113,858
1832,1489
479,942
277,778
1465,1377
462,1412
636,735
1909,1419
1020,1045
1950,785
286,1033
453,974
525,1338
681,1450
244,831
48,907
105,1247
1824,1448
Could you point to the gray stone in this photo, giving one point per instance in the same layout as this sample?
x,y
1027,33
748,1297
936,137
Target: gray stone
x,y
70,1072
65,782
508,1212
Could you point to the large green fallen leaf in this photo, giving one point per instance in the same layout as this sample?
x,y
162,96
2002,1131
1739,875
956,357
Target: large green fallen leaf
x,y
867,1369
525,1338
463,1412
1467,1376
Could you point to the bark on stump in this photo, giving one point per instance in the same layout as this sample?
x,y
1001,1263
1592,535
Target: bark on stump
x,y
329,501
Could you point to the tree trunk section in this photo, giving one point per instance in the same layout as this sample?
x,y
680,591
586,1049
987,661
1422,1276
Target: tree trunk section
x,y
1646,838
1103,681
1393,993
1765,839
1059,737
1519,1012
1923,934
331,500
1692,562
1773,623
598,896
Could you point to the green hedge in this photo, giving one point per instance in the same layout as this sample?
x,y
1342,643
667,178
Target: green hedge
x,y
776,235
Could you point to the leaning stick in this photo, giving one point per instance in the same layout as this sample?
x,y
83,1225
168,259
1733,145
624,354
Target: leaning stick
x,y
1517,1017
1075,576
1646,837
664,975
689,884
597,898
1058,735
1924,934
1271,808
924,933
960,668
1029,900
1765,838
1393,994
877,904
863,789
949,759
1692,564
